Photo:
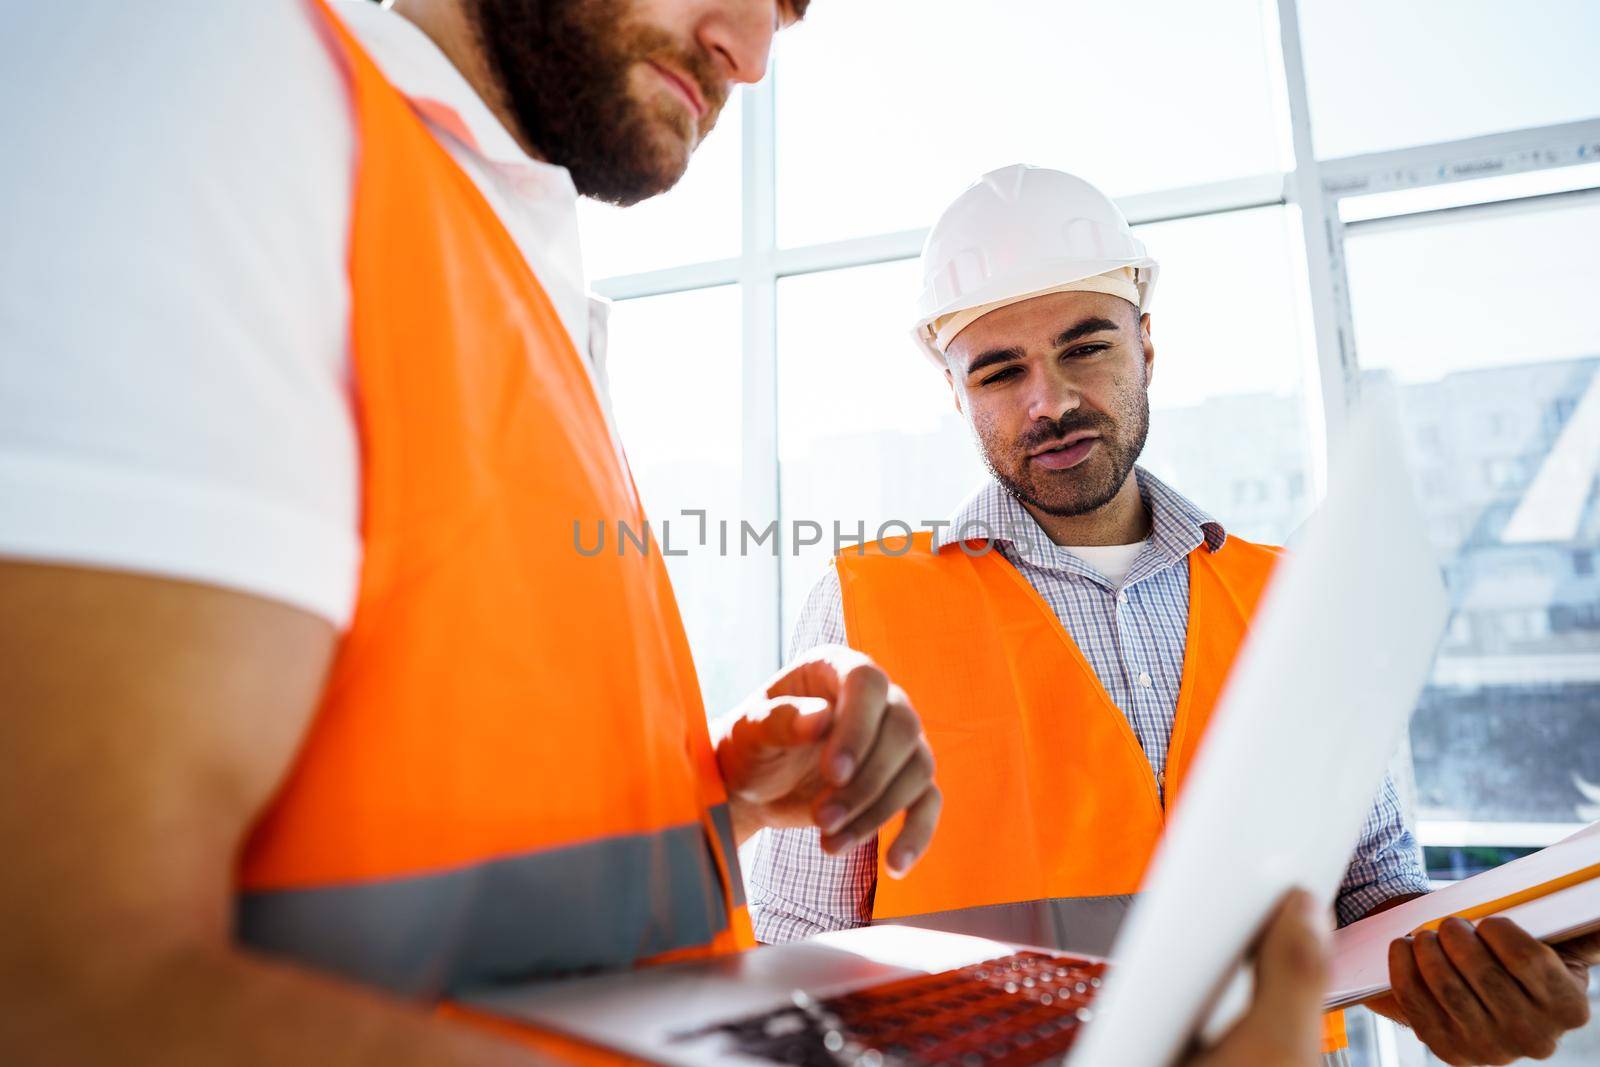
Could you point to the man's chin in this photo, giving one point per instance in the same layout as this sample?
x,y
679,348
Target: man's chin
x,y
1067,508
659,163
674,152
1083,495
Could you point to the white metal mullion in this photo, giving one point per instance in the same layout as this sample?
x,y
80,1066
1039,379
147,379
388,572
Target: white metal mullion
x,y
671,280
1466,834
1512,152
760,570
1166,205
1538,203
760,253
1331,323
1212,198
1445,162
854,252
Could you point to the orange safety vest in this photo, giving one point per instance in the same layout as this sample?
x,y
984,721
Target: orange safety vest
x,y
509,775
1051,811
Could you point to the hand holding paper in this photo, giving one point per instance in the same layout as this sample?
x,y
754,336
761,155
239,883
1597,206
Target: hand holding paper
x,y
1490,994
1497,991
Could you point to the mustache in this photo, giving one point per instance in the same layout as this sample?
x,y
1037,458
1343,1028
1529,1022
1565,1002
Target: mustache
x,y
1072,422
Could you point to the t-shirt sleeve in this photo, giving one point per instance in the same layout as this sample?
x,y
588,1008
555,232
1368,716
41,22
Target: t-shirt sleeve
x,y
174,304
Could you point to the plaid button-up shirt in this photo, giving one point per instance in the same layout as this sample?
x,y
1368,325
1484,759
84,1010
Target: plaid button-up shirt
x,y
1133,635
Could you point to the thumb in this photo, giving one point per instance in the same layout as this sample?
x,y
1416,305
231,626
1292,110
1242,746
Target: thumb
x,y
788,721
758,755
1291,978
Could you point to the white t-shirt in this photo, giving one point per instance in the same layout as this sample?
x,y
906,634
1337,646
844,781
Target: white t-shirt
x,y
175,382
1112,561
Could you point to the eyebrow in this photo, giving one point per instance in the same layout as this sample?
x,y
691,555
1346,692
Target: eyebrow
x,y
989,358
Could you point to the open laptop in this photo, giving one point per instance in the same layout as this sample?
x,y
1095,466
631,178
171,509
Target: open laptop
x,y
1296,751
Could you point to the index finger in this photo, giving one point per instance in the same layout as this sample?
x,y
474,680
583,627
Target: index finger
x,y
916,833
1423,1014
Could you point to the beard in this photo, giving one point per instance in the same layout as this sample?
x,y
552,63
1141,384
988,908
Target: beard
x,y
1089,486
565,69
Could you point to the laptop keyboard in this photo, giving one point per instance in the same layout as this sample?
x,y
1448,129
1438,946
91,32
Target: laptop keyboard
x,y
1014,1010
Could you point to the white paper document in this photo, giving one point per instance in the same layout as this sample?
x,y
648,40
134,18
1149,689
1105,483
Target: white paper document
x,y
1313,709
1361,950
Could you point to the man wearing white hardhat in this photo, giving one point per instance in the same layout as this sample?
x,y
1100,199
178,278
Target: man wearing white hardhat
x,y
1065,637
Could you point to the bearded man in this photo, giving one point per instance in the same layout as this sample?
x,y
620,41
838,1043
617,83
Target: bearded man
x,y
1066,636
312,715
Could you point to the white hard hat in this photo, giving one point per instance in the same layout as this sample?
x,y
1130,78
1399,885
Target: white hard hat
x,y
1021,231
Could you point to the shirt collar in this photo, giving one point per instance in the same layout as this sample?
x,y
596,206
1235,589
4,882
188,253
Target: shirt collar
x,y
1178,525
425,76
991,513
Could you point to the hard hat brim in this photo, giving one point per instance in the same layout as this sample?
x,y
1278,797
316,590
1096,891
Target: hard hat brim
x,y
1041,276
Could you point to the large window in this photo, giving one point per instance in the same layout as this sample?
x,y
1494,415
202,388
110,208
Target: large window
x,y
1468,314
868,432
675,388
1343,194
1233,393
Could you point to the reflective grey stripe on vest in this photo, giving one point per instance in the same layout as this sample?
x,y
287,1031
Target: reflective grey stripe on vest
x,y
599,904
722,819
1074,924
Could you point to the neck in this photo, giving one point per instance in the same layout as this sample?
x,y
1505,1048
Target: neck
x,y
450,28
1122,520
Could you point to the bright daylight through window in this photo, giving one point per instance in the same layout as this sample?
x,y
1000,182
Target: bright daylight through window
x,y
1437,240
1474,317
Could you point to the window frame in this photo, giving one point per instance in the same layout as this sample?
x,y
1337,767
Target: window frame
x,y
1314,187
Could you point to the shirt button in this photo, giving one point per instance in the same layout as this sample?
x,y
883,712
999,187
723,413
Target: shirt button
x,y
1122,596
1145,680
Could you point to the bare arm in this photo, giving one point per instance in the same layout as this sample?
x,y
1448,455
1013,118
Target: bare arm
x,y
145,724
